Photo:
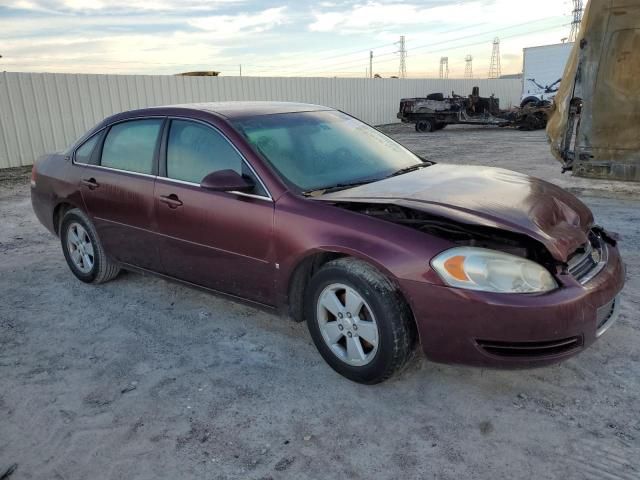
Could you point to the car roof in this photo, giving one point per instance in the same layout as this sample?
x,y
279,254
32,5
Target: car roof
x,y
231,110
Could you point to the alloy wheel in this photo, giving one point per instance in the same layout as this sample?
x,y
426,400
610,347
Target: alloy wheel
x,y
347,324
80,247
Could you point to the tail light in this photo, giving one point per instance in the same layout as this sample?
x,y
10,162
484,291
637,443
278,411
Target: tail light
x,y
33,176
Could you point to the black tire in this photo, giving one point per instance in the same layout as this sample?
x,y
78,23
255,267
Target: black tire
x,y
103,269
530,102
424,126
396,329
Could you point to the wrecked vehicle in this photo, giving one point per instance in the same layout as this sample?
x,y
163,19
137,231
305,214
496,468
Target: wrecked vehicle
x,y
543,96
595,124
435,112
531,116
305,210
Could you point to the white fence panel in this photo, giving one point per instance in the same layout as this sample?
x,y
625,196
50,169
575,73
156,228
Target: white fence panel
x,y
45,112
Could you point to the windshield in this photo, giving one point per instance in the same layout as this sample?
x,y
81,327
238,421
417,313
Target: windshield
x,y
320,150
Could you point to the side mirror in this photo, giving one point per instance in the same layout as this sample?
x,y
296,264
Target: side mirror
x,y
226,181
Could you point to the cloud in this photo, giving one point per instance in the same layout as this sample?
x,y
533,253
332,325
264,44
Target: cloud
x,y
167,36
155,42
84,6
369,16
375,15
229,25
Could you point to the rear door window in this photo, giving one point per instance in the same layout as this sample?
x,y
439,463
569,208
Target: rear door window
x,y
131,145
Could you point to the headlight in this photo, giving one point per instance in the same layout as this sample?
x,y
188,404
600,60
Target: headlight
x,y
491,271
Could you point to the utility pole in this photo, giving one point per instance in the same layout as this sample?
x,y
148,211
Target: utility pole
x,y
494,66
577,19
403,58
240,69
468,67
370,63
444,67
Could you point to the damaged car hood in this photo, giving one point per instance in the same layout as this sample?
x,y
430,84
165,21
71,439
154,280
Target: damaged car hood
x,y
485,196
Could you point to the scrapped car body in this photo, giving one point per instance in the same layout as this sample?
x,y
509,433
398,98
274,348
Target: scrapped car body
x,y
307,211
595,122
435,112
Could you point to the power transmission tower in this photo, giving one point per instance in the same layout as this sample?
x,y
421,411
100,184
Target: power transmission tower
x,y
370,63
494,67
577,18
403,58
444,67
468,67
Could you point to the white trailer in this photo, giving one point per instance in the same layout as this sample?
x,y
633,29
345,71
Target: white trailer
x,y
542,70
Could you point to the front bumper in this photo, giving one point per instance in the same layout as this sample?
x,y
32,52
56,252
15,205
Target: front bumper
x,y
512,330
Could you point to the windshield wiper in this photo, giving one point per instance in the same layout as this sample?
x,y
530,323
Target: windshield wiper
x,y
336,188
410,168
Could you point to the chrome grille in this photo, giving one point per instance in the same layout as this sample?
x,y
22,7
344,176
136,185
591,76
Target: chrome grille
x,y
589,259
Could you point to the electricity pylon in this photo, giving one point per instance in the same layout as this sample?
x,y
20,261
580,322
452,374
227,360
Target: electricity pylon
x,y
444,67
402,71
494,66
577,18
468,66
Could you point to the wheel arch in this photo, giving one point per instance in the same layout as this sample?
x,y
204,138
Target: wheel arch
x,y
59,211
299,278
305,267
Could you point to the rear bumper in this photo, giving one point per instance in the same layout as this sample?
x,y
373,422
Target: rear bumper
x,y
515,331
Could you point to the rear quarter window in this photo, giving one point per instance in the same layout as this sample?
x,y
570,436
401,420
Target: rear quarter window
x,y
85,151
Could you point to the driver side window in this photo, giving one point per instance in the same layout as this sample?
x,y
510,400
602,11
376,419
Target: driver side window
x,y
195,150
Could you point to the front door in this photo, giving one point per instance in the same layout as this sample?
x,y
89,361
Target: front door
x,y
118,191
220,240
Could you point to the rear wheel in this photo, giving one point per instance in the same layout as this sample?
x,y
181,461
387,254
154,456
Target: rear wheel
x,y
358,321
83,250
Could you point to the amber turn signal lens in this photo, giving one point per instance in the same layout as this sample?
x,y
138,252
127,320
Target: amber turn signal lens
x,y
455,267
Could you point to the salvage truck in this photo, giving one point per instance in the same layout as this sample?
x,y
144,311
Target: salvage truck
x,y
435,112
542,69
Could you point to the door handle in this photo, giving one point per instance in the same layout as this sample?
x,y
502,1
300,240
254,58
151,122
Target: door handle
x,y
91,183
172,200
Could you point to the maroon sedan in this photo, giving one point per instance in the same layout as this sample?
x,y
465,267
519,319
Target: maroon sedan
x,y
305,210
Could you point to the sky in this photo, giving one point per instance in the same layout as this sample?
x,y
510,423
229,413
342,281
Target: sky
x,y
273,37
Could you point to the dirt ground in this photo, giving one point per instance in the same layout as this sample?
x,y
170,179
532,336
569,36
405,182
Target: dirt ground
x,y
145,379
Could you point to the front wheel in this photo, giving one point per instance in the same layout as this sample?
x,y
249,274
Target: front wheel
x,y
424,126
83,250
358,321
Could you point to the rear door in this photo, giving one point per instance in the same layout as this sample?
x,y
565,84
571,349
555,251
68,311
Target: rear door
x,y
220,240
117,189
